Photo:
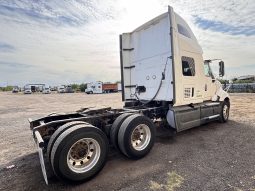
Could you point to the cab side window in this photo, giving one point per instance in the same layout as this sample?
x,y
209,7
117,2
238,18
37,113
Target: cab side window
x,y
188,66
207,69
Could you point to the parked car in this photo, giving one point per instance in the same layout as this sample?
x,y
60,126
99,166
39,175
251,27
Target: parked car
x,y
27,91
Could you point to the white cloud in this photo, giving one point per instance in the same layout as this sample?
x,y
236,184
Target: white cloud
x,y
74,41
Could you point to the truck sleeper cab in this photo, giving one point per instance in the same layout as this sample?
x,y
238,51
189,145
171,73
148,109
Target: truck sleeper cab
x,y
162,60
165,82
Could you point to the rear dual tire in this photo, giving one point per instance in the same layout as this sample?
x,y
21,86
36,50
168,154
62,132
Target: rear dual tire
x,y
133,135
115,129
79,153
78,150
58,132
136,136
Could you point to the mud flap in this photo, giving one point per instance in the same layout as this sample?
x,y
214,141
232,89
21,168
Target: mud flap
x,y
42,164
39,144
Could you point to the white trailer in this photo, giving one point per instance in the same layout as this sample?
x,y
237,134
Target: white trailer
x,y
164,78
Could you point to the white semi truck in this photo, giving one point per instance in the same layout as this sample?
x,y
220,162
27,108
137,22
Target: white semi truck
x,y
94,88
100,87
165,81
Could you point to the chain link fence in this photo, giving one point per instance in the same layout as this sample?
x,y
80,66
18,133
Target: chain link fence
x,y
241,88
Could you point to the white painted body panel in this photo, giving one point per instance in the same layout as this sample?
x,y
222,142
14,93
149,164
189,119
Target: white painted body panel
x,y
151,46
220,93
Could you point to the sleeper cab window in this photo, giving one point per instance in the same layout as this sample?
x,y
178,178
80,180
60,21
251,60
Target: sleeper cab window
x,y
182,30
188,66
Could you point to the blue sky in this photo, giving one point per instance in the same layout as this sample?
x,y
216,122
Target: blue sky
x,y
75,41
219,26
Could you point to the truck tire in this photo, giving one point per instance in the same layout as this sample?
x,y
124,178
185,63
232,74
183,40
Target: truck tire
x,y
56,134
136,136
115,129
79,153
224,114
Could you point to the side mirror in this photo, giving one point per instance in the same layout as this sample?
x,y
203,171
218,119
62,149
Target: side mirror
x,y
221,69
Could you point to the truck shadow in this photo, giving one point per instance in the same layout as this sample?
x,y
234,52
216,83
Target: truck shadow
x,y
26,174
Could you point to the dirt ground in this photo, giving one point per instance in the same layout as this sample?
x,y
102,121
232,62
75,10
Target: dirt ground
x,y
211,157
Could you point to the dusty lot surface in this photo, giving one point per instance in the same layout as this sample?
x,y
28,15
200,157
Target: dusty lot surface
x,y
211,157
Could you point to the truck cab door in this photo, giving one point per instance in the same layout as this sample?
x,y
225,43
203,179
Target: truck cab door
x,y
209,84
191,78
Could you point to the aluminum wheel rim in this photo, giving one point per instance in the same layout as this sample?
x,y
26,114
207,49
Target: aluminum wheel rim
x,y
83,155
140,137
225,112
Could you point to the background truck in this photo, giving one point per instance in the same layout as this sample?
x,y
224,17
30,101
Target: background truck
x,y
61,89
15,89
69,89
46,90
100,87
110,87
165,84
94,88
